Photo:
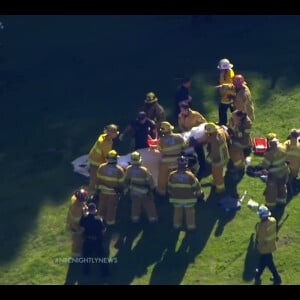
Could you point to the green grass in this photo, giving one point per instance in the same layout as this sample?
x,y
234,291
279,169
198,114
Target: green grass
x,y
73,86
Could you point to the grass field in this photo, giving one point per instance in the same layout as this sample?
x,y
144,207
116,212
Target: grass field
x,y
65,77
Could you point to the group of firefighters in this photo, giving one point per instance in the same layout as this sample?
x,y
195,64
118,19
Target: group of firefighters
x,y
226,148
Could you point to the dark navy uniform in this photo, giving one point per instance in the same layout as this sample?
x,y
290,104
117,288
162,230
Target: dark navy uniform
x,y
141,132
182,95
93,241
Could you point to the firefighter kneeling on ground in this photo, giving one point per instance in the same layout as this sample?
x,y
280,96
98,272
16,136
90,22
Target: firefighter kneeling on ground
x,y
266,235
275,162
76,210
141,186
94,230
184,189
110,182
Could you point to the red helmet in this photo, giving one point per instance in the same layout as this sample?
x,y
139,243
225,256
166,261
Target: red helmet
x,y
238,80
81,195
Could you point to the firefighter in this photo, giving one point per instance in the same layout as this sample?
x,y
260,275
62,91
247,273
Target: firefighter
x,y
243,99
217,153
275,162
292,146
76,210
239,129
110,183
154,110
100,150
266,232
184,189
141,186
170,145
227,96
187,119
271,136
94,230
143,127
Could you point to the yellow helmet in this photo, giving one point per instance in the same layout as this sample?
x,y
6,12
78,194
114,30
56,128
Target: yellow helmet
x,y
210,128
135,158
151,98
112,156
111,128
166,127
271,136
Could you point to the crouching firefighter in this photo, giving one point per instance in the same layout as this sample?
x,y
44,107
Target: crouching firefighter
x,y
141,187
110,182
184,189
76,210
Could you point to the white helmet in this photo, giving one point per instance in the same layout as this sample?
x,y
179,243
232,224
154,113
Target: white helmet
x,y
263,212
224,64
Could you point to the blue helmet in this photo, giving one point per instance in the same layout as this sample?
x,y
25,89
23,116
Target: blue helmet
x,y
263,212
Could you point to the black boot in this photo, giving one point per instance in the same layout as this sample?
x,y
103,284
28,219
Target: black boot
x,y
257,280
276,279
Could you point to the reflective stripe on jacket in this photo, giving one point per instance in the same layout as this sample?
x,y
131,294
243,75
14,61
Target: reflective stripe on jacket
x,y
99,151
183,187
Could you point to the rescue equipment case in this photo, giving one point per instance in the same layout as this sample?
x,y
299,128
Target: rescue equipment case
x,y
260,145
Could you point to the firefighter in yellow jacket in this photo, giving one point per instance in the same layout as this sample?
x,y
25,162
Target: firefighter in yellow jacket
x,y
141,186
239,129
243,99
184,189
99,151
187,119
110,183
266,234
218,154
170,145
154,110
275,162
292,146
77,209
227,96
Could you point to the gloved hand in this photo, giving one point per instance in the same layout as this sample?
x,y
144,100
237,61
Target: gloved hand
x,y
121,137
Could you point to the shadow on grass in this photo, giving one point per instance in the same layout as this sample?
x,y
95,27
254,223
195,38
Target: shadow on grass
x,y
75,276
142,245
251,260
23,202
173,265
